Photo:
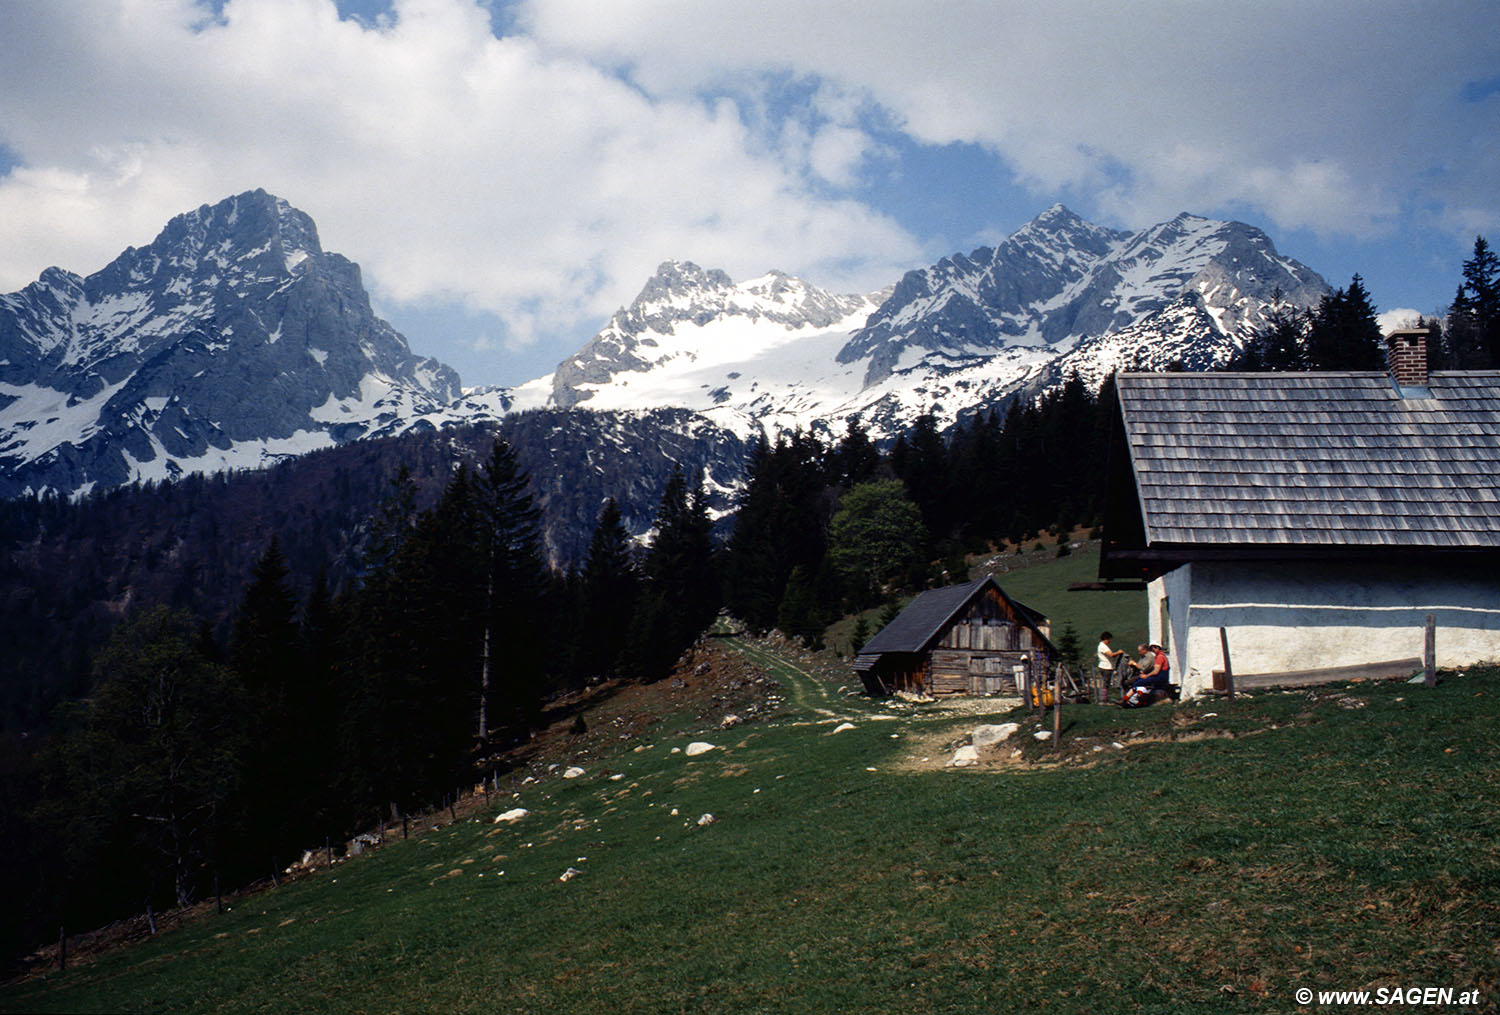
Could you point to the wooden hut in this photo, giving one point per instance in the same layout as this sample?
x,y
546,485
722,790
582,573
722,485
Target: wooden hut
x,y
963,639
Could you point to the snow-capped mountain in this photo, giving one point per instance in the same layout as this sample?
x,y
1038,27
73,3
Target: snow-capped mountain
x,y
1059,295
754,355
233,340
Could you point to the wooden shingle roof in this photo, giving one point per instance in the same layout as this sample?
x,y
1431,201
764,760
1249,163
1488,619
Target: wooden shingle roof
x,y
1315,459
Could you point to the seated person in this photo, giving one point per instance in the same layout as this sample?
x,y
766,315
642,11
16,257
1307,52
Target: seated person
x,y
1157,673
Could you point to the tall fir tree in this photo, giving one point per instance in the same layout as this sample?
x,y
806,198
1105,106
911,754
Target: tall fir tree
x,y
517,591
1474,318
682,591
266,653
1344,334
609,593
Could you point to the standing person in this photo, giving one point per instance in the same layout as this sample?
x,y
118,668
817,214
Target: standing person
x,y
1109,659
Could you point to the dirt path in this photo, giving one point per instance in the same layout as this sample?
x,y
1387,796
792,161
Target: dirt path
x,y
803,690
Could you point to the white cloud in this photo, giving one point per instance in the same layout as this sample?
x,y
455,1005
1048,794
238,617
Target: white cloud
x,y
1322,116
1400,317
525,182
543,175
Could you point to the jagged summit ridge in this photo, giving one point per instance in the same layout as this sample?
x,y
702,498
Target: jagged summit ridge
x,y
687,317
232,339
1059,279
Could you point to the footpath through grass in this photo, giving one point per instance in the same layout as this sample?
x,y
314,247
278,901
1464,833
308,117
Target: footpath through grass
x,y
1333,839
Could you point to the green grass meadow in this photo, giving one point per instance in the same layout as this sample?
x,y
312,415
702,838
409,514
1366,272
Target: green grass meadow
x,y
1224,855
1041,582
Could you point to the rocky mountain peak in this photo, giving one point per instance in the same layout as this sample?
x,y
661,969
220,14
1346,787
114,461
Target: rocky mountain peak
x,y
676,280
232,336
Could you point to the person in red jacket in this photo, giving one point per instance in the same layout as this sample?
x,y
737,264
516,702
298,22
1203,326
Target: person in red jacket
x,y
1158,675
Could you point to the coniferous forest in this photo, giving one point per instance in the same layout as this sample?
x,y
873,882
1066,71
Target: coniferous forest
x,y
195,728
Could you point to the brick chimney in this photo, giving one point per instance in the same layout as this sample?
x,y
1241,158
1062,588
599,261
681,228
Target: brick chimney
x,y
1406,356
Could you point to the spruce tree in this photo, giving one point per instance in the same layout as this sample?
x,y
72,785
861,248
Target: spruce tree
x,y
266,653
609,590
682,591
1474,317
516,590
1344,334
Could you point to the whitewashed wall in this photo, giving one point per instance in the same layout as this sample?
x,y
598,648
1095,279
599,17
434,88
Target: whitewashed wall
x,y
1303,616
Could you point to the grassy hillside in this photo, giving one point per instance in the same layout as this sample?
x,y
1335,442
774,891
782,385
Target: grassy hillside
x,y
1041,580
1218,856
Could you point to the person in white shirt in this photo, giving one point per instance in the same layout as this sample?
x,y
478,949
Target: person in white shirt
x,y
1109,658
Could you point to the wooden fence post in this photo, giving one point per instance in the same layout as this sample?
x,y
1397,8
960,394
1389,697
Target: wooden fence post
x,y
1228,669
1056,706
1429,653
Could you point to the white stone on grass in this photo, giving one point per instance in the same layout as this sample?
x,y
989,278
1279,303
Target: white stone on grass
x,y
965,756
573,772
843,726
698,747
1043,734
989,736
515,814
706,820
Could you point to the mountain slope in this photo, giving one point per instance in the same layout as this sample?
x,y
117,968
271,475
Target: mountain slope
x,y
970,331
232,340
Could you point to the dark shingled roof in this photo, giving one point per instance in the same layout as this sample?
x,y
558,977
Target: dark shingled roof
x,y
1315,459
925,617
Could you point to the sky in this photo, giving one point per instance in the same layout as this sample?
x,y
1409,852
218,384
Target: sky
x,y
508,174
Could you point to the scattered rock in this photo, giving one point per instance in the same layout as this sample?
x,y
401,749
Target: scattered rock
x,y
706,820
843,726
730,721
965,756
515,814
1117,745
573,773
1351,703
570,874
989,736
362,842
698,747
1209,715
617,777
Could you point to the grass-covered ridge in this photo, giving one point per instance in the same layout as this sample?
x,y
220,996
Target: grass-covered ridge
x,y
1221,857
